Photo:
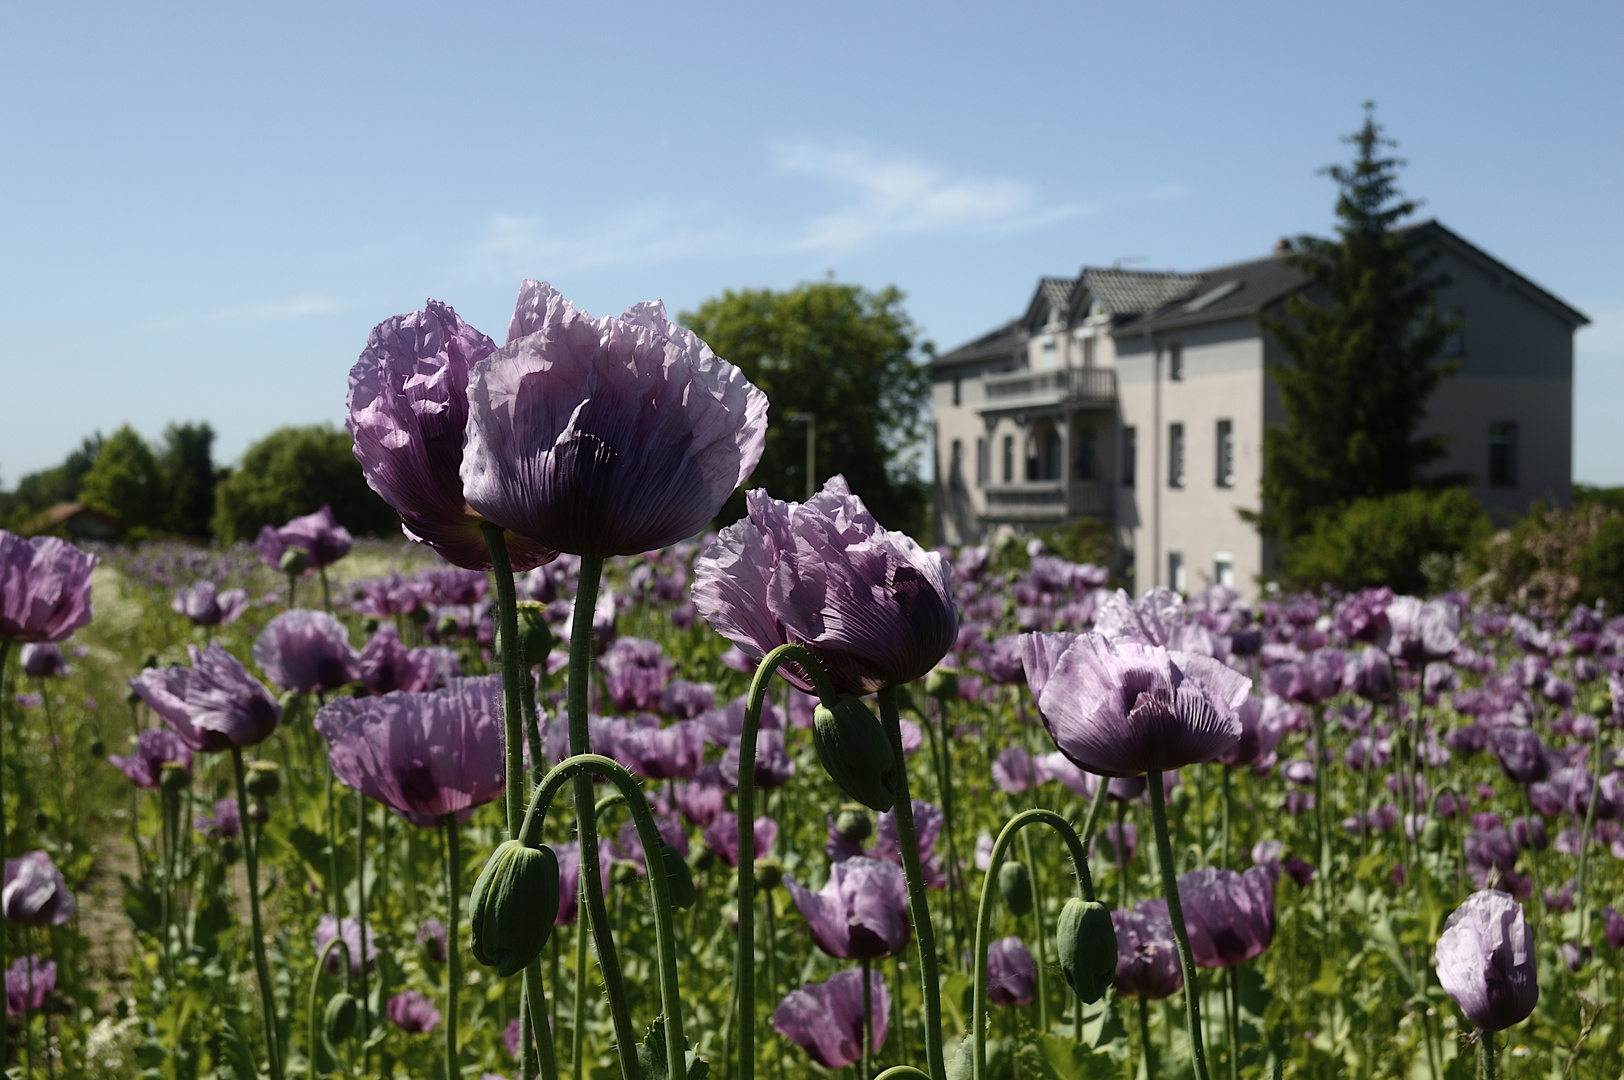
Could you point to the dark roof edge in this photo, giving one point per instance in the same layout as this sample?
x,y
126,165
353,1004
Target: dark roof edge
x,y
1564,310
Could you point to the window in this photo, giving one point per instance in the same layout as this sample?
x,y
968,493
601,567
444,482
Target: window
x,y
1009,459
1175,570
1503,454
981,463
1130,454
1175,363
1226,454
1223,569
1175,455
958,398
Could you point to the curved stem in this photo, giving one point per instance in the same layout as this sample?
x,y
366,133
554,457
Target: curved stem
x,y
507,614
1038,932
1000,846
251,858
453,967
648,834
903,1072
361,920
315,980
1175,912
924,934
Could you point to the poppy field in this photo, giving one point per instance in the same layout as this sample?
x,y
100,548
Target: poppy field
x,y
567,784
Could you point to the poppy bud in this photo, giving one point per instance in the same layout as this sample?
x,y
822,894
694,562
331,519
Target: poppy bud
x,y
769,872
446,627
705,860
854,824
942,684
294,561
623,873
535,636
132,698
1088,948
1432,835
419,616
1178,800
98,749
855,752
175,777
678,880
1015,883
264,779
343,1010
513,905
369,625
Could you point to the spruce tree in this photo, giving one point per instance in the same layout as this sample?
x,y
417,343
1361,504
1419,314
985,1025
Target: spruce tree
x,y
1362,344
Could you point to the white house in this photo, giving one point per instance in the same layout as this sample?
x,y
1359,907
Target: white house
x,y
1139,398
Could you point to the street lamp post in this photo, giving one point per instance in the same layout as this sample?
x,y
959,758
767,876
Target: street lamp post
x,y
811,421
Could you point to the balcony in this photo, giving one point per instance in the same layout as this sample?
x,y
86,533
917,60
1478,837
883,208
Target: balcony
x,y
1047,501
1017,390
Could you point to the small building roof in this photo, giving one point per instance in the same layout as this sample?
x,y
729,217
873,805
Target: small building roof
x,y
1136,292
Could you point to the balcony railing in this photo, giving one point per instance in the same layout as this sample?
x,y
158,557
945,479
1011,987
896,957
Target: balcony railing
x,y
1051,500
1076,385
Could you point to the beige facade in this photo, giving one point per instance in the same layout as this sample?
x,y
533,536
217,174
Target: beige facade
x,y
1140,399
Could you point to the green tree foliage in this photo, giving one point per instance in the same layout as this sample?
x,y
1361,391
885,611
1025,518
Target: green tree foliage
x,y
1395,540
188,465
44,489
845,355
1362,345
293,471
1554,558
127,482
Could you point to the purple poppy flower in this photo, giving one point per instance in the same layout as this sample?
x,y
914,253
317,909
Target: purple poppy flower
x,y
1363,616
1520,753
328,928
629,845
773,765
686,700
1001,661
323,540
412,1013
1147,956
408,414
432,936
307,651
225,821
1122,708
43,660
385,664
664,753
722,837
1422,631
1485,960
1016,771
1490,856
1261,731
1364,752
1267,854
1466,739
1299,870
603,438
1300,773
826,1019
44,588
635,672
1368,674
1229,916
1613,927
928,821
206,606
510,1038
393,594
872,605
861,913
1116,844
154,748
28,984
422,755
1315,678
1012,976
213,705
569,876
1529,832
35,893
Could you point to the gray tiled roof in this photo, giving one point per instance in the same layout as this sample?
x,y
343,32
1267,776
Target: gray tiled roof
x,y
1057,290
1137,292
1226,292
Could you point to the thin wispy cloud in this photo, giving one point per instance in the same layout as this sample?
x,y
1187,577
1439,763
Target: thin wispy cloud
x,y
272,311
647,234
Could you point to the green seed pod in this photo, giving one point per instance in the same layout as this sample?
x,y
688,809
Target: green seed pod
x,y
855,752
98,748
535,636
854,824
942,684
769,872
259,812
1088,948
705,860
419,616
1432,835
264,779
1015,883
294,561
343,1010
446,627
175,777
678,879
513,905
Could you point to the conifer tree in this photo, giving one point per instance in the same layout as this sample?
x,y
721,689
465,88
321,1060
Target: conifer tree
x,y
1362,344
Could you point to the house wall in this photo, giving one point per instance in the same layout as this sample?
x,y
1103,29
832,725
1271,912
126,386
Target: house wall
x,y
959,500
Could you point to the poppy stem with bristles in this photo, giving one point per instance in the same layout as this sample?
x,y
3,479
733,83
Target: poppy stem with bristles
x,y
1175,912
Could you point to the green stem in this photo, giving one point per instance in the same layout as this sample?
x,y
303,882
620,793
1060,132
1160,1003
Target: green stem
x,y
507,613
586,827
924,934
1085,885
1485,1053
315,981
947,826
1232,1021
868,1022
896,1008
771,933
1223,851
1039,933
453,966
334,894
578,1028
1175,912
361,920
534,999
267,1002
1147,1049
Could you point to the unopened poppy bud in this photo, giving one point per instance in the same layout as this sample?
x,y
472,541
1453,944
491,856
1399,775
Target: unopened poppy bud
x,y
264,779
294,561
854,824
1088,948
175,777
942,684
446,627
513,905
419,616
1015,883
705,860
369,625
1179,800
855,752
1432,835
150,661
679,881
229,851
98,749
343,1010
132,698
535,636
623,873
769,872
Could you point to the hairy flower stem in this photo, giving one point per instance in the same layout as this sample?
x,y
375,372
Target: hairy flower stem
x,y
513,676
1038,932
1223,850
586,826
267,1002
315,980
924,934
1232,1021
1147,1049
533,1022
1175,912
989,887
1485,1054
453,965
578,1025
361,920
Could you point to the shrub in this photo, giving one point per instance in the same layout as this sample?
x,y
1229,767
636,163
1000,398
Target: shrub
x,y
293,471
1555,558
1408,541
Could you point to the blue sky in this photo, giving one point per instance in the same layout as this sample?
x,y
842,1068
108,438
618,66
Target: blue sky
x,y
208,206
